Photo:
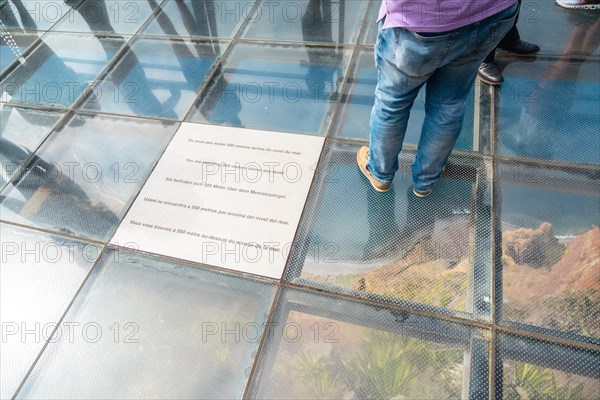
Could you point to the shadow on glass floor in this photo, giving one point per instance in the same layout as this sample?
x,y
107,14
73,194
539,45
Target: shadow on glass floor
x,y
550,249
107,16
84,177
159,329
282,88
536,369
432,253
320,346
370,23
92,16
548,109
13,46
56,72
21,132
206,18
155,78
333,21
39,277
34,15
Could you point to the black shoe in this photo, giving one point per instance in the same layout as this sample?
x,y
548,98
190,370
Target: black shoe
x,y
521,47
490,74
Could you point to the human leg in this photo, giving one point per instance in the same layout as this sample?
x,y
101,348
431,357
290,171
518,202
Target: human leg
x,y
397,88
447,92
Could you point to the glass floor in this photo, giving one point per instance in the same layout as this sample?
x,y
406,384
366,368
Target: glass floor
x,y
490,288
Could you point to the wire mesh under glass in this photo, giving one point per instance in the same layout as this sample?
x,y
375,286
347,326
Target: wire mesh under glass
x,y
432,253
529,368
549,248
323,347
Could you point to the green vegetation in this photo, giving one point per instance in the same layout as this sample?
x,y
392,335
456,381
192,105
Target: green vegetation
x,y
524,381
345,281
448,291
385,366
316,372
513,312
575,311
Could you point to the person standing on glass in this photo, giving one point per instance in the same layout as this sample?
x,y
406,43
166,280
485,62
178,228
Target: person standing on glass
x,y
440,44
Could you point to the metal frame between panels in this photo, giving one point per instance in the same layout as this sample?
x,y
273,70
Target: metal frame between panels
x,y
487,339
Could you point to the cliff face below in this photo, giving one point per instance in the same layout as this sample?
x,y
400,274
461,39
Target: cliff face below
x,y
577,269
549,284
544,282
533,247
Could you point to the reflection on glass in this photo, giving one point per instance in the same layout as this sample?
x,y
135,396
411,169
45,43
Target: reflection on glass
x,y
553,27
39,277
85,175
535,369
306,20
370,34
209,18
155,77
21,132
356,110
529,381
107,16
550,111
551,248
33,15
395,247
57,72
12,47
280,88
169,331
358,352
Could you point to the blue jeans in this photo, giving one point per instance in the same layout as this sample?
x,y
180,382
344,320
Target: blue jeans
x,y
448,63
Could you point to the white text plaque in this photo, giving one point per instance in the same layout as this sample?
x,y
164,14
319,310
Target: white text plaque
x,y
224,196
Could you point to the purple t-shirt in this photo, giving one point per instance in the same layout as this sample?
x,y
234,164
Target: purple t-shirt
x,y
438,15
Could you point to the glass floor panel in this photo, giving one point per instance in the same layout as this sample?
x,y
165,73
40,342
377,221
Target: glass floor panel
x,y
82,181
21,132
148,328
550,247
156,78
322,347
285,88
207,18
536,369
39,276
333,21
489,288
357,105
56,72
12,47
370,33
551,111
34,15
396,247
558,30
107,16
